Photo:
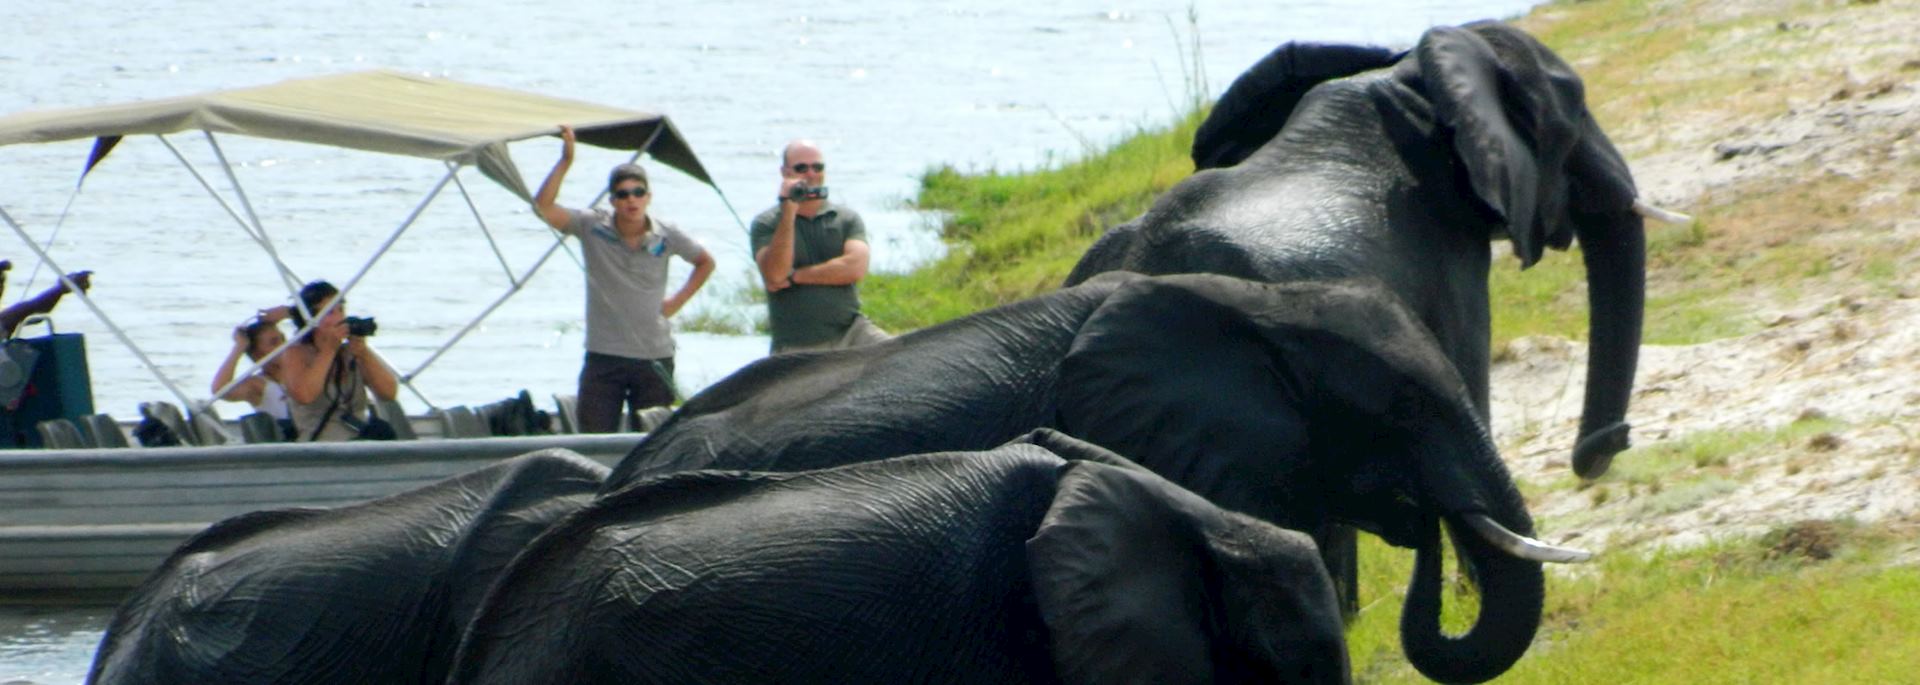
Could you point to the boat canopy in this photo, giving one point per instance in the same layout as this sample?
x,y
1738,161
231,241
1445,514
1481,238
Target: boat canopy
x,y
379,111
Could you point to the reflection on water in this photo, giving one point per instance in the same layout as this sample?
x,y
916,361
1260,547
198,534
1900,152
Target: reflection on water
x,y
889,89
49,646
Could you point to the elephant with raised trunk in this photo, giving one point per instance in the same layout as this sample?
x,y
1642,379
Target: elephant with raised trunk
x,y
1013,565
1341,161
1295,403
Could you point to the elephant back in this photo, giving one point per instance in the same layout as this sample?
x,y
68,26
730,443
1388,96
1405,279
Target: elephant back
x,y
903,570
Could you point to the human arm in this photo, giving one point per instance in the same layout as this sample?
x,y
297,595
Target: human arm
x,y
42,303
546,201
846,269
702,268
253,389
775,260
374,369
304,369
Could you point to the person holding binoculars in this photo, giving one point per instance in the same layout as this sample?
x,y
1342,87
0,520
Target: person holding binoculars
x,y
328,375
812,254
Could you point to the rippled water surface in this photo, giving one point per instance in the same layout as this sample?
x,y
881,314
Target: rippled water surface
x,y
887,89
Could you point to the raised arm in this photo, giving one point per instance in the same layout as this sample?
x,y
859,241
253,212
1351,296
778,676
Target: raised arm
x,y
546,201
776,259
379,376
251,390
42,303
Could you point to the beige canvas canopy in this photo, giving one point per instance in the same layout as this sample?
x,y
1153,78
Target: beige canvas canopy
x,y
379,111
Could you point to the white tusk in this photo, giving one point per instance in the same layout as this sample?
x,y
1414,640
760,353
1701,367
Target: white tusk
x,y
1521,546
1657,214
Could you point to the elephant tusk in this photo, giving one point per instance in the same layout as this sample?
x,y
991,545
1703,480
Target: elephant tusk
x,y
1657,214
1521,546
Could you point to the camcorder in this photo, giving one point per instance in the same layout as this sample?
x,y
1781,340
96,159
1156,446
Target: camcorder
x,y
361,326
803,192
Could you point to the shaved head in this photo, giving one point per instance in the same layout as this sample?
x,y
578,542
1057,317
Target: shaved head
x,y
798,145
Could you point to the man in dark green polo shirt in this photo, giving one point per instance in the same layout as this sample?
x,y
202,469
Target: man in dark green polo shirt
x,y
812,254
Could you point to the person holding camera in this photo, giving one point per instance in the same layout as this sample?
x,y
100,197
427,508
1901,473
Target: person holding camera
x,y
629,361
812,254
328,374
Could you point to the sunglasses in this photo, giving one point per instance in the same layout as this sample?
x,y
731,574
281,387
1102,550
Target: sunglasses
x,y
623,193
802,167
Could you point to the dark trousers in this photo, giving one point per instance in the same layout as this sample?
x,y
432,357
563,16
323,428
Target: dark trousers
x,y
607,382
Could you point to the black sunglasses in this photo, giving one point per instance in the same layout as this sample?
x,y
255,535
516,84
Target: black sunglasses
x,y
623,193
802,167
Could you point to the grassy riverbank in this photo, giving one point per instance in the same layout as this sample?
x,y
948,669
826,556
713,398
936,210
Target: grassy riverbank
x,y
1764,528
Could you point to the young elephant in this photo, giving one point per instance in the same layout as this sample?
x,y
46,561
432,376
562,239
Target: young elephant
x,y
1008,566
371,593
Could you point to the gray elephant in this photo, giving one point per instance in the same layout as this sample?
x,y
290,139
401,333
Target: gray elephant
x,y
1296,403
1006,566
372,593
1339,161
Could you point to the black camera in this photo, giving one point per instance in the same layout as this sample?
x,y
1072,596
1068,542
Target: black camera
x,y
803,192
361,326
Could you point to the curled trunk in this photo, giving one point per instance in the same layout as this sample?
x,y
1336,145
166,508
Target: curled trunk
x,y
1512,594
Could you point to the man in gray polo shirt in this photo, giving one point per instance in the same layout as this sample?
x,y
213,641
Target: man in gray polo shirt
x,y
812,254
629,342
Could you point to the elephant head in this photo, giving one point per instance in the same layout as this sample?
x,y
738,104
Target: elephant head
x,y
1524,147
1310,402
1139,580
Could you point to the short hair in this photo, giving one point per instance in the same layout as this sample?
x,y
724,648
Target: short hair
x,y
312,296
626,172
786,151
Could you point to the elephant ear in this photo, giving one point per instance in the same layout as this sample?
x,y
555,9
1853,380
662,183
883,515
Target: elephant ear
x,y
1227,382
1257,105
1118,579
1518,114
1141,581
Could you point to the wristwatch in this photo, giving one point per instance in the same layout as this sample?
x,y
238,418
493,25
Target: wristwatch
x,y
789,280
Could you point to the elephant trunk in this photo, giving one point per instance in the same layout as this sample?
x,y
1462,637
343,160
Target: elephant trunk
x,y
1616,258
1512,594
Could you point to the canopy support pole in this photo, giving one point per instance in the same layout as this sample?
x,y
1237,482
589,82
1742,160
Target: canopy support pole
x,y
258,234
482,221
75,290
286,275
511,291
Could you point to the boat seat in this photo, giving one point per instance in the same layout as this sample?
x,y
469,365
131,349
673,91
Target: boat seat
x,y
168,415
568,421
462,422
260,427
207,427
61,434
391,412
104,431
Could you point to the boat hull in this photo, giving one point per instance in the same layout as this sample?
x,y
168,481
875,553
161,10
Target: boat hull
x,y
86,526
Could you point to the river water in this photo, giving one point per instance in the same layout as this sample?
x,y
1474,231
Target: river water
x,y
889,90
